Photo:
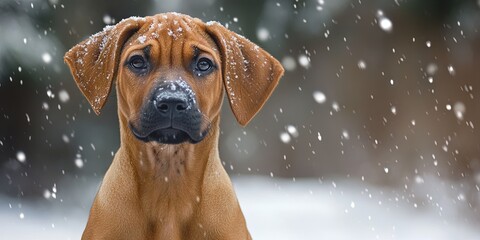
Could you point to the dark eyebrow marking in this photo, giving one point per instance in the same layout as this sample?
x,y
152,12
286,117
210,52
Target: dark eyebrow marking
x,y
196,52
146,51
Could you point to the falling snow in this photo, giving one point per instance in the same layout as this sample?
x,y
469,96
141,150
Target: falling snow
x,y
319,97
459,110
292,130
46,57
79,163
285,137
362,64
63,96
21,157
47,194
304,61
451,70
335,106
393,109
345,134
432,69
385,24
289,63
107,19
65,138
263,34
390,135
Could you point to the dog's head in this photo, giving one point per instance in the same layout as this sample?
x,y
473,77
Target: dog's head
x,y
170,71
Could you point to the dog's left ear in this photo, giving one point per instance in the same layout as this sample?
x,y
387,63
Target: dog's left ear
x,y
94,62
250,74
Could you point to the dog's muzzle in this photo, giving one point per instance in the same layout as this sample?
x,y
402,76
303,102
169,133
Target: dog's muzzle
x,y
171,116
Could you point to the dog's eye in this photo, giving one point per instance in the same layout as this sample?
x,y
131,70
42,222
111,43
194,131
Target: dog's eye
x,y
204,64
138,63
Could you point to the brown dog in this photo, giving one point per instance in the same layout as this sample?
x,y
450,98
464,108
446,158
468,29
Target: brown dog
x,y
166,180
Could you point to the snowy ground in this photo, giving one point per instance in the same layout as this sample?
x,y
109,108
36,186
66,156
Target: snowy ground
x,y
275,209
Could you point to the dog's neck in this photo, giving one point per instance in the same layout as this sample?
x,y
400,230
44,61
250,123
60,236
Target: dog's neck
x,y
165,171
158,162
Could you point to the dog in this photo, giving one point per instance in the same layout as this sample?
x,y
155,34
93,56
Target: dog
x,y
166,180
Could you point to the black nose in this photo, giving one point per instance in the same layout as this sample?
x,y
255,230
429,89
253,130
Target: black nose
x,y
177,105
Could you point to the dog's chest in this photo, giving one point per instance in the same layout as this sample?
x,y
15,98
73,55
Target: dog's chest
x,y
173,195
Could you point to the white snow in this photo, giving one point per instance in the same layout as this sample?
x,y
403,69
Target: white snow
x,y
278,209
292,130
385,24
419,180
21,157
63,96
345,135
304,61
211,23
142,39
79,163
335,106
459,110
319,97
107,19
263,34
285,137
362,64
432,68
50,94
393,109
47,194
289,63
65,138
172,86
46,57
307,209
451,70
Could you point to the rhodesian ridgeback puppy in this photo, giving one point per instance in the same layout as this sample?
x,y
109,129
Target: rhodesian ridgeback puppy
x,y
166,180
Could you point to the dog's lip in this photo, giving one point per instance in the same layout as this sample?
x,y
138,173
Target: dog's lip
x,y
150,132
145,136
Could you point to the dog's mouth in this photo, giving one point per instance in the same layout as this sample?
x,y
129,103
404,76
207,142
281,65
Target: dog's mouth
x,y
166,135
170,136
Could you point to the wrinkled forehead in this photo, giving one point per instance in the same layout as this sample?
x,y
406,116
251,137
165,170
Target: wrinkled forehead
x,y
171,28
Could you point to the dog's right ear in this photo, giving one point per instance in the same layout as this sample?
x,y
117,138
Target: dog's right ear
x,y
94,62
250,74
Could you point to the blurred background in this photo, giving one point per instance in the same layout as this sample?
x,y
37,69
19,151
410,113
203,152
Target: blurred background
x,y
373,128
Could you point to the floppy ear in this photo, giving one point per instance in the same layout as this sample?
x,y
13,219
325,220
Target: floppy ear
x,y
250,74
94,62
